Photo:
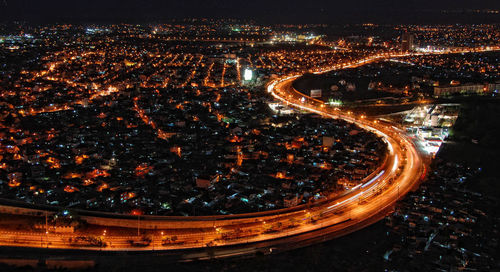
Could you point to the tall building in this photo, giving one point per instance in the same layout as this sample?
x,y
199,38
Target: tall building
x,y
407,40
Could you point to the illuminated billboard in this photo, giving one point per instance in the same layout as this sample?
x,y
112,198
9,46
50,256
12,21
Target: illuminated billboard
x,y
316,93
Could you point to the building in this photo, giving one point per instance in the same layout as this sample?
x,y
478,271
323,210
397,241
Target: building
x,y
407,40
463,89
494,87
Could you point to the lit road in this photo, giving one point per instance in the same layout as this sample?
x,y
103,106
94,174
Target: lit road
x,y
274,231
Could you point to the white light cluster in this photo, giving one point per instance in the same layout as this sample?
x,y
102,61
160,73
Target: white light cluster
x,y
248,75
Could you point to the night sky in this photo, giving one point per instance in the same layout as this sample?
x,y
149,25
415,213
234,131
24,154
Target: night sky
x,y
265,11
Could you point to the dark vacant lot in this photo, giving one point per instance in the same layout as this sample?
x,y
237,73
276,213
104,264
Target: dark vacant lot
x,y
475,141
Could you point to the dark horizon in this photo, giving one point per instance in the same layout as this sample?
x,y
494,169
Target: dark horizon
x,y
292,11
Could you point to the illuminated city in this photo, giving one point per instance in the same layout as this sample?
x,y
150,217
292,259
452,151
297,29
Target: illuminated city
x,y
206,142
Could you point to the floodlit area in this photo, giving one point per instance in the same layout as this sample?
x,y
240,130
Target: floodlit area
x,y
430,124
